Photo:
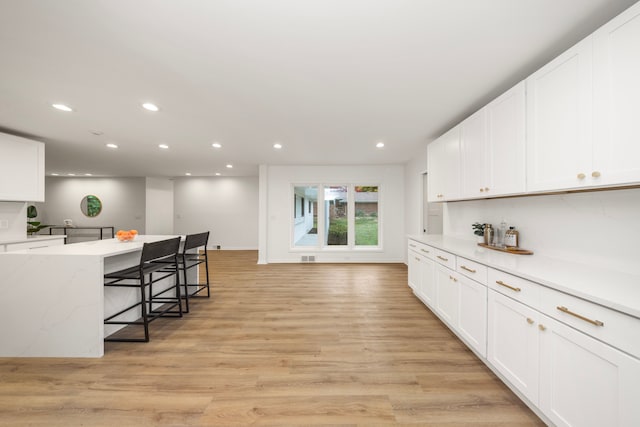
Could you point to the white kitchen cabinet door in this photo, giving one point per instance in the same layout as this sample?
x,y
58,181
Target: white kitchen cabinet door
x,y
415,270
616,97
443,162
505,153
21,169
559,121
584,382
473,148
428,281
512,343
447,289
472,314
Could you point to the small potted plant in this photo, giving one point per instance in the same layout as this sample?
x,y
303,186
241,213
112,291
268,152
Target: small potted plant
x,y
478,230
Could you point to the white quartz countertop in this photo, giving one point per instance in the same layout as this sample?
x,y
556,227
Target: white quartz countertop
x,y
32,239
100,248
613,289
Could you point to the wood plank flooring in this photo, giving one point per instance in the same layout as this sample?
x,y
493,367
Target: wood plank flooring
x,y
283,344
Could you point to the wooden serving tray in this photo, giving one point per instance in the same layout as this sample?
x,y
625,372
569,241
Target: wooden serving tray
x,y
515,251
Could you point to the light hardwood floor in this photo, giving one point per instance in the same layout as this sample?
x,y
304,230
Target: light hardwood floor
x,y
292,344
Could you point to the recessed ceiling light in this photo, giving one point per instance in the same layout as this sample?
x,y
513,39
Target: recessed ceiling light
x,y
163,146
112,146
218,174
380,145
151,107
62,107
229,166
71,174
188,173
55,174
87,174
216,145
277,146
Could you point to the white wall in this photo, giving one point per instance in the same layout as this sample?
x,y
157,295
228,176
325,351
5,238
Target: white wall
x,y
279,201
15,215
413,191
123,202
225,206
159,206
601,227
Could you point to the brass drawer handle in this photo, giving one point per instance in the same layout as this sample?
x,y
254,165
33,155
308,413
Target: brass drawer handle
x,y
529,320
442,258
413,246
425,251
453,278
470,270
586,319
417,259
501,283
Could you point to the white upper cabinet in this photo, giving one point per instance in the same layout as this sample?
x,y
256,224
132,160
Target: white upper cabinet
x,y
616,72
559,120
493,147
443,160
21,169
505,154
473,149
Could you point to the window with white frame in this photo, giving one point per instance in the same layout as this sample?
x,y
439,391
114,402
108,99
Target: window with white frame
x,y
345,216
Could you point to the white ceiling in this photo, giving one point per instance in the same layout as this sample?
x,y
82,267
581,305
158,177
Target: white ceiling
x,y
326,78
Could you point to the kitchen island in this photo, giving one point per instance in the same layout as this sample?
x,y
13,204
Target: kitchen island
x,y
53,301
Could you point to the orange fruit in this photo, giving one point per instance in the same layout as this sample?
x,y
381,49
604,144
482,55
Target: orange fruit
x,y
133,232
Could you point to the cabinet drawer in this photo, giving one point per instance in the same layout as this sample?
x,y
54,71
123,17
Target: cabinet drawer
x,y
446,259
422,249
612,327
514,287
34,245
472,270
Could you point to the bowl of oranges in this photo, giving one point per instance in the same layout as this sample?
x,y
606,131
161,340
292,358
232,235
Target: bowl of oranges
x,y
126,235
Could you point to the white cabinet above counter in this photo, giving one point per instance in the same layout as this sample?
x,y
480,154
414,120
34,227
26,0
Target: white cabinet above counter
x,y
21,169
581,121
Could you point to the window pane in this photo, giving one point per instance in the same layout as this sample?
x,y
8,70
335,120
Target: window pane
x,y
305,216
335,201
366,218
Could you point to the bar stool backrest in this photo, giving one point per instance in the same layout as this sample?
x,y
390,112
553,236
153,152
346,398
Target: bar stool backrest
x,y
160,249
195,241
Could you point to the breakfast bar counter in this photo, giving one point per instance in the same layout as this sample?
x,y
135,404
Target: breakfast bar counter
x,y
53,302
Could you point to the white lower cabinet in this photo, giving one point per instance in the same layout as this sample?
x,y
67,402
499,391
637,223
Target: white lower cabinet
x,y
428,281
575,361
512,346
472,314
585,382
447,289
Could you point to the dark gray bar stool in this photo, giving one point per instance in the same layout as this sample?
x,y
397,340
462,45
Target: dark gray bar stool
x,y
142,276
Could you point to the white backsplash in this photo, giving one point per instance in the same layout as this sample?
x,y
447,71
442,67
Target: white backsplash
x,y
601,227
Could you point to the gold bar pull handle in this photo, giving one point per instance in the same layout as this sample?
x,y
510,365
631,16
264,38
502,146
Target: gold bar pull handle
x,y
424,250
443,258
513,288
586,319
470,270
413,246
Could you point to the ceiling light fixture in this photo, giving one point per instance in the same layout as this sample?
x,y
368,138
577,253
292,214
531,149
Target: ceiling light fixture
x,y
163,146
187,173
55,174
380,145
87,174
112,145
71,174
62,107
216,145
229,166
151,107
277,146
